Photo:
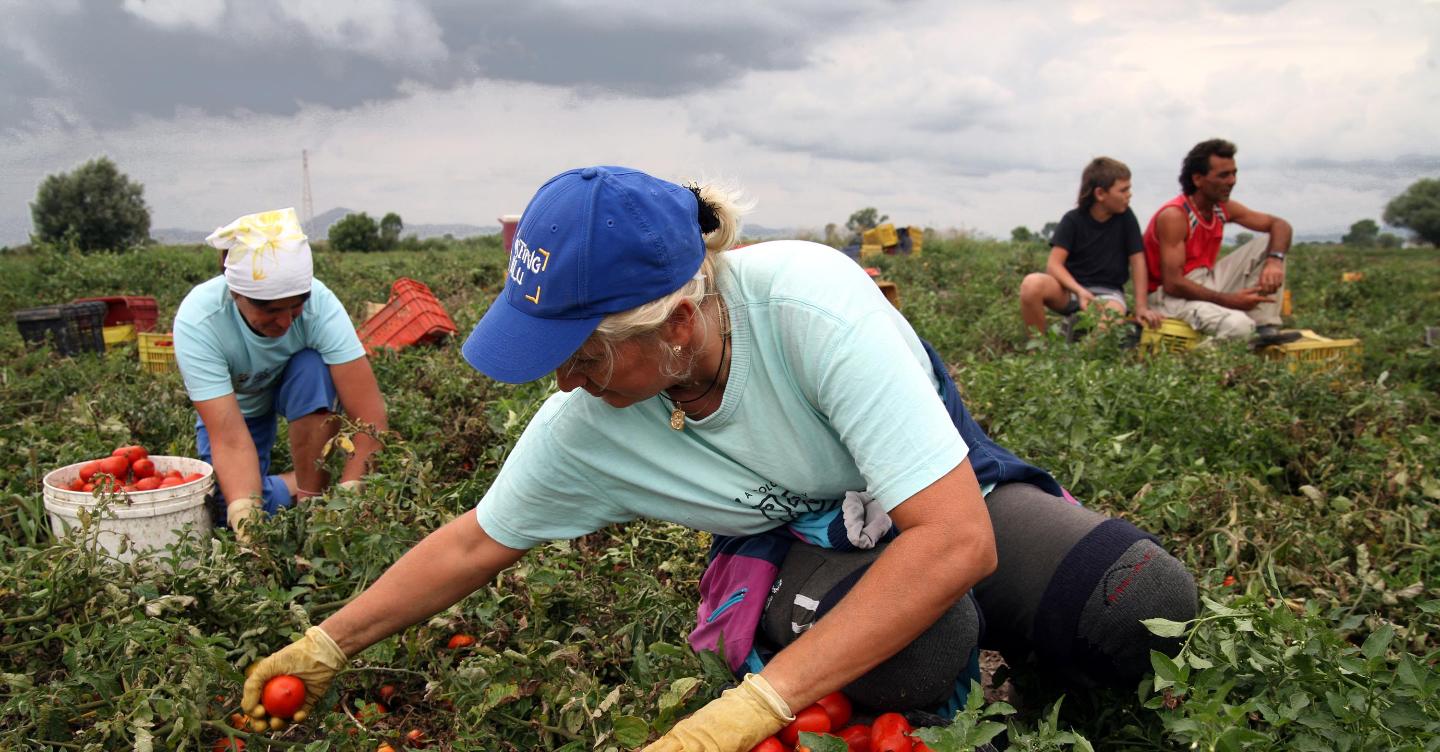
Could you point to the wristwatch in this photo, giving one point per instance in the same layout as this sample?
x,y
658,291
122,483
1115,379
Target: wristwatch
x,y
1275,255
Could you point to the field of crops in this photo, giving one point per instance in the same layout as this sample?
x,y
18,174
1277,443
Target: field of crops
x,y
1305,503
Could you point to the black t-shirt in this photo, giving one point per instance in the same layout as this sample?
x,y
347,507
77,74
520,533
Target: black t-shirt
x,y
1099,251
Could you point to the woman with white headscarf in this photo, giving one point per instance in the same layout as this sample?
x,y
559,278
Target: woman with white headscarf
x,y
266,338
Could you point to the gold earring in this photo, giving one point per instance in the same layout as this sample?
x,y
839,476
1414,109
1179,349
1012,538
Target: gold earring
x,y
676,350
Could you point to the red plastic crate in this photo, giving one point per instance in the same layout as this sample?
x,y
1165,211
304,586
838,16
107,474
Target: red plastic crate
x,y
139,310
411,316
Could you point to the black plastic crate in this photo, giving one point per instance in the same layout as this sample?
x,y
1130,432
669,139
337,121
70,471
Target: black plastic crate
x,y
68,329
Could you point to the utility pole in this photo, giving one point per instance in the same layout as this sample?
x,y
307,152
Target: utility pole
x,y
307,203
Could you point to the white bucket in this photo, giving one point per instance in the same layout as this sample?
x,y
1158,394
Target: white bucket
x,y
149,519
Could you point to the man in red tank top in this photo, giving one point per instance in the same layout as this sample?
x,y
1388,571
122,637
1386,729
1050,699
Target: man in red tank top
x,y
1234,296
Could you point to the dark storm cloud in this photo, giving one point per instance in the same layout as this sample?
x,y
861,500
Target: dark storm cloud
x,y
107,66
1406,166
645,55
111,66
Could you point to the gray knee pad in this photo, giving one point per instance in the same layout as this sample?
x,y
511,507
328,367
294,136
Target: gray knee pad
x,y
1145,582
922,675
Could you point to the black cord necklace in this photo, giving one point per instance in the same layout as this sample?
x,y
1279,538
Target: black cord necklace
x,y
677,415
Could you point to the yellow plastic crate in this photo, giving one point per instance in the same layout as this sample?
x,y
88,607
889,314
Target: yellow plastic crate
x,y
868,250
917,239
1173,335
157,351
116,336
1315,350
890,290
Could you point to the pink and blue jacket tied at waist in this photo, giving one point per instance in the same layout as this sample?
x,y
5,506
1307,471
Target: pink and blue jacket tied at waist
x,y
741,570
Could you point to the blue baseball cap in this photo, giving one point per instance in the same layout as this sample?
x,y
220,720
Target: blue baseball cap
x,y
592,242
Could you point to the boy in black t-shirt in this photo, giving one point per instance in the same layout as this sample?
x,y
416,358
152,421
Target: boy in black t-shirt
x,y
1096,248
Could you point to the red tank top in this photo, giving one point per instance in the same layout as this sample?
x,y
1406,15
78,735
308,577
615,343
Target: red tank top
x,y
1202,239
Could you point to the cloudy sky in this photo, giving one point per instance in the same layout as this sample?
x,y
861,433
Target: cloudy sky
x,y
948,114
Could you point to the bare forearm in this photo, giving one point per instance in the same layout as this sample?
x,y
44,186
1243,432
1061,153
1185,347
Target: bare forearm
x,y
1180,286
237,466
446,566
366,445
883,613
1055,267
1140,278
1281,234
361,398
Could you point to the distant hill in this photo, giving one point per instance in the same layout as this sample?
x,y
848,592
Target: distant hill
x,y
762,232
319,228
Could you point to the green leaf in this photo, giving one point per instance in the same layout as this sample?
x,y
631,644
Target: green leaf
x,y
1378,641
1405,713
630,731
1166,672
1197,662
822,742
1164,627
676,694
1431,607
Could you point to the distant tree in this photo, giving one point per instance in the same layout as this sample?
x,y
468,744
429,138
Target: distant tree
x,y
1022,234
1048,231
1362,234
95,207
1244,237
1417,209
390,227
832,235
1389,240
356,232
864,219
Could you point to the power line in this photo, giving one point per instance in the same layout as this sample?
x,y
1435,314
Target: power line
x,y
307,202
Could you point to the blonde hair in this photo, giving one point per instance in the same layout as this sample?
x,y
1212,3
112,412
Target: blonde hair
x,y
720,209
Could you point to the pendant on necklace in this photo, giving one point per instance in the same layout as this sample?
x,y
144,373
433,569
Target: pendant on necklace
x,y
677,419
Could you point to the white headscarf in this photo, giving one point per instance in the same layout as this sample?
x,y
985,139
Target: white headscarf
x,y
269,255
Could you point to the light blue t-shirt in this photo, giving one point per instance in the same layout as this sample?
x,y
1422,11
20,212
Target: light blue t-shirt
x,y
219,354
829,391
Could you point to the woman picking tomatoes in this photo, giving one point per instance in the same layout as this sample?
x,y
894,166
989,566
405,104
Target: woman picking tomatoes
x,y
266,338
752,392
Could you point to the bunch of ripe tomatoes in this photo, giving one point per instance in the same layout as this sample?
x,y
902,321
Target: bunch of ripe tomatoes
x,y
889,732
128,468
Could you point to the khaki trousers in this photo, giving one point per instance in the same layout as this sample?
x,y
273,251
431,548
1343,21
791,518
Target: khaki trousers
x,y
1238,270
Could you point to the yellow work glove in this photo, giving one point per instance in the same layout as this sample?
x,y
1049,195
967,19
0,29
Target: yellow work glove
x,y
735,721
314,658
240,513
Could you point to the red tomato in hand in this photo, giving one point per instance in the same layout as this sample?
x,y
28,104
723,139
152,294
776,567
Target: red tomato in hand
x,y
890,733
856,737
769,744
283,695
130,453
143,467
837,706
813,719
